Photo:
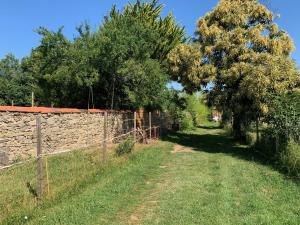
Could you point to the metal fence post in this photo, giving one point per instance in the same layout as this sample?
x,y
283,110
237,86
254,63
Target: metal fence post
x,y
39,157
104,137
150,125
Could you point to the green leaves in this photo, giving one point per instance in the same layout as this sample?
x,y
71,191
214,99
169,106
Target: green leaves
x,y
15,85
284,116
131,50
243,54
144,82
123,61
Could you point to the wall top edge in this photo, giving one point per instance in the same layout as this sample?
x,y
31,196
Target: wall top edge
x,y
54,110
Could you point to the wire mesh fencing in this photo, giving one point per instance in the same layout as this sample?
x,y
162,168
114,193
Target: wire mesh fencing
x,y
67,149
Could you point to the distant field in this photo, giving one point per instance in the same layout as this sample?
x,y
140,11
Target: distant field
x,y
200,177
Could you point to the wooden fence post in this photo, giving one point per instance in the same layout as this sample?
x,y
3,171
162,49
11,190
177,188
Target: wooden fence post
x,y
32,99
150,125
39,158
104,138
134,126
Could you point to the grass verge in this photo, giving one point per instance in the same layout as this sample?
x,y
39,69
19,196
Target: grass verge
x,y
82,190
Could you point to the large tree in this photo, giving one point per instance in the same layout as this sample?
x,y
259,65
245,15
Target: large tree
x,y
244,57
140,38
120,65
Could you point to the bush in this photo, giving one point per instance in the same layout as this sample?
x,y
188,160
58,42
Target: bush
x,y
186,121
197,109
286,156
281,140
125,147
290,158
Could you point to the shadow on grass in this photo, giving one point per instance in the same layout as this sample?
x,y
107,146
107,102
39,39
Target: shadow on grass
x,y
217,141
209,127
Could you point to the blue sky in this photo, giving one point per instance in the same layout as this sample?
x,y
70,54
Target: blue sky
x,y
19,18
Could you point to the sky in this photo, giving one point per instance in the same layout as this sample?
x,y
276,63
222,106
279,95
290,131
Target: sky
x,y
19,18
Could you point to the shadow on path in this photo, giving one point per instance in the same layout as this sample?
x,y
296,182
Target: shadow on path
x,y
213,140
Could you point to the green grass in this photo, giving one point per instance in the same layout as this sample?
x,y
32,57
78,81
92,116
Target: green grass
x,y
222,183
82,190
210,180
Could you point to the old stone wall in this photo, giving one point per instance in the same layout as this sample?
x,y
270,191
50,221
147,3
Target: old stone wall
x,y
60,131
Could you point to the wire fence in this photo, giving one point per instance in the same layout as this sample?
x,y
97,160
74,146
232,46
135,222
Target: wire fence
x,y
78,143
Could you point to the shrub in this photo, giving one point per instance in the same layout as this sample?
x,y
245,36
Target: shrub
x,y
290,158
186,121
286,155
125,147
281,139
197,108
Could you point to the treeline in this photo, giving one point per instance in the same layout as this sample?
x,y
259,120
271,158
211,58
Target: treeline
x,y
244,59
239,56
122,64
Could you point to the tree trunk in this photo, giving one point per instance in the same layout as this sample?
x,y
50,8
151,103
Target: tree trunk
x,y
237,128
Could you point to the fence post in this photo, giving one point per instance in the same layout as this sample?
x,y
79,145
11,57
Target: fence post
x,y
150,125
39,157
32,99
104,137
134,126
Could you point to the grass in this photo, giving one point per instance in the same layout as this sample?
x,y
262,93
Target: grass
x,y
209,180
82,190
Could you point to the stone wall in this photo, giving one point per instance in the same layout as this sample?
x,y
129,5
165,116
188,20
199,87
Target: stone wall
x,y
62,130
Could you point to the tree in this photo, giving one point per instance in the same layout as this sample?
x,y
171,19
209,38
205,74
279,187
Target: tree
x,y
185,67
97,67
62,68
15,85
137,34
144,82
247,57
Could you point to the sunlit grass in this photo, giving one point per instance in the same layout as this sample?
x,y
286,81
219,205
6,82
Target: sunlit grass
x,y
216,181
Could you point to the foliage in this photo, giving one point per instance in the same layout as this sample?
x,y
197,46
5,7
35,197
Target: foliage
x,y
284,116
187,111
15,85
245,56
186,67
280,140
186,121
196,106
62,68
173,103
143,82
132,43
125,147
120,65
290,158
